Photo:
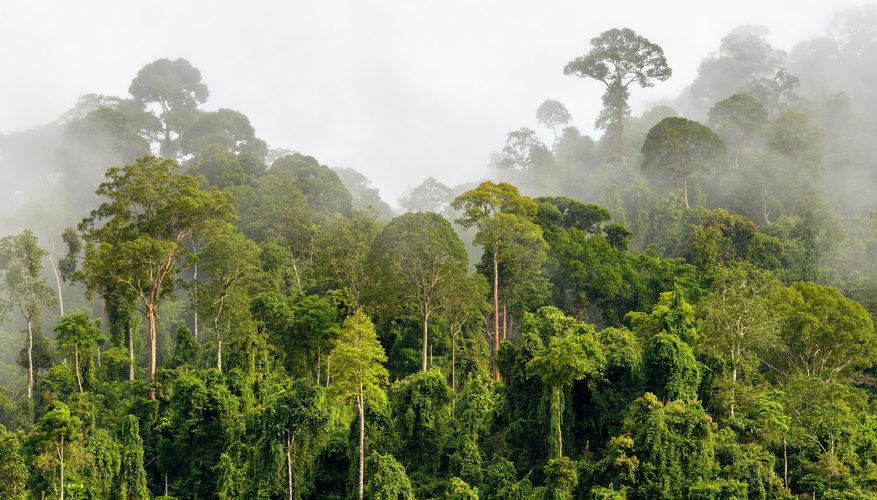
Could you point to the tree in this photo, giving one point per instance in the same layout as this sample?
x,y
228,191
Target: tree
x,y
358,371
619,58
321,186
553,114
388,481
508,235
149,212
342,248
77,334
13,469
293,419
231,262
680,148
430,196
25,287
227,128
571,354
56,436
738,320
132,475
523,152
822,333
175,86
419,252
738,119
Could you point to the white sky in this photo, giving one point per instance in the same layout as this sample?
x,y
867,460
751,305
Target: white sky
x,y
399,90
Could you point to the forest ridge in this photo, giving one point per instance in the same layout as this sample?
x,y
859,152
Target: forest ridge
x,y
683,307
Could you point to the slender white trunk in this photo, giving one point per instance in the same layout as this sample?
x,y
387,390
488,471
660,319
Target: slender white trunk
x,y
29,359
425,339
57,280
289,460
76,362
219,354
195,293
495,309
150,370
61,456
359,402
130,352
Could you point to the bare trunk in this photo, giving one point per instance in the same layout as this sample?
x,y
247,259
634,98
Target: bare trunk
x,y
319,364
219,354
559,398
76,362
61,456
505,321
150,368
495,309
328,369
57,280
195,293
454,366
685,189
361,407
30,359
785,463
425,339
289,461
130,352
621,137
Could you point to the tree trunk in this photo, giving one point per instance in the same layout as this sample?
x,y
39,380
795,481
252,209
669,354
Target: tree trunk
x,y
319,364
785,463
361,407
30,359
328,369
495,309
685,189
219,354
130,351
195,293
57,280
425,339
556,418
61,456
505,321
454,367
150,369
621,137
76,362
289,461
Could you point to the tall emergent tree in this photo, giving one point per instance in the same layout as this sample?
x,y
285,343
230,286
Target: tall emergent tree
x,y
618,58
25,288
419,252
175,86
509,237
553,114
681,148
358,370
134,240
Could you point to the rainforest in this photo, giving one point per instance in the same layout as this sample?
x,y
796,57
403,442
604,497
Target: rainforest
x,y
680,305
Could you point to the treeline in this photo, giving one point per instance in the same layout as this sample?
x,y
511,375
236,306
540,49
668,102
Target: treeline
x,y
232,321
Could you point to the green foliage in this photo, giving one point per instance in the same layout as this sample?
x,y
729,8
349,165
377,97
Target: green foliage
x,y
681,149
822,333
13,468
387,479
320,185
671,369
132,476
421,406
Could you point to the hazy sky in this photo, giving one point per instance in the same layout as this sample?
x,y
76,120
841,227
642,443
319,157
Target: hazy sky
x,y
399,90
